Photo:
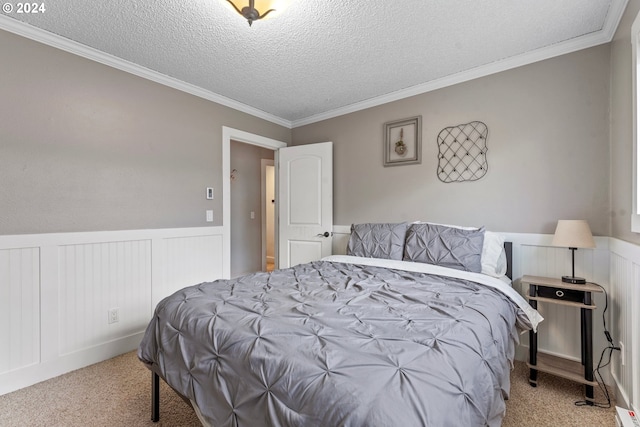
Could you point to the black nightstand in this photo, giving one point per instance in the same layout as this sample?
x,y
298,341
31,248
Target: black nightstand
x,y
555,291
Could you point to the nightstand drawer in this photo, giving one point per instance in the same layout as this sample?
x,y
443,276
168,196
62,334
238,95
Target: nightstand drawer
x,y
560,294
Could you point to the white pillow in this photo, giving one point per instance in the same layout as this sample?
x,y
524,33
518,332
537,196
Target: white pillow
x,y
494,259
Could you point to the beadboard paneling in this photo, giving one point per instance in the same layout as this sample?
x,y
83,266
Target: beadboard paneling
x,y
56,291
189,261
625,320
19,308
95,278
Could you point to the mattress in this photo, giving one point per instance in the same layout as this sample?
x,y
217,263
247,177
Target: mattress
x,y
345,341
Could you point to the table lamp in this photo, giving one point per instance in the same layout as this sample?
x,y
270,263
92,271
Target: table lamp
x,y
573,234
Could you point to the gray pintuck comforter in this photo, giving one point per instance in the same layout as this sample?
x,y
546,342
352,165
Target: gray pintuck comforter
x,y
337,344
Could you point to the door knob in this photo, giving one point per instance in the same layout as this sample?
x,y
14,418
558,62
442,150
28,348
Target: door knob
x,y
325,234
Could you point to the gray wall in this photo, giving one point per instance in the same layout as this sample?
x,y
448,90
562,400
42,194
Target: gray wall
x,y
622,128
548,151
85,147
246,193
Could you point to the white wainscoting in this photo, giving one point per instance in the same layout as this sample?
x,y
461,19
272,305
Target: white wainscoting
x,y
615,265
20,312
56,291
625,325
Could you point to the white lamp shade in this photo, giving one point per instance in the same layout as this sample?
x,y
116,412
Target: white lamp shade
x,y
573,233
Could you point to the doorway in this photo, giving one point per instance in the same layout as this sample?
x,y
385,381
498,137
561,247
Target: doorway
x,y
294,235
227,219
249,222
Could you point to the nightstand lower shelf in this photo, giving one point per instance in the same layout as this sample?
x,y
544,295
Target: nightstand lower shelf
x,y
560,367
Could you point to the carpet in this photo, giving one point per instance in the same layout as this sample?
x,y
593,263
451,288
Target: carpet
x,y
116,393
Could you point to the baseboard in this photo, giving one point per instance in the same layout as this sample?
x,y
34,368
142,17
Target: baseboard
x,y
622,399
30,375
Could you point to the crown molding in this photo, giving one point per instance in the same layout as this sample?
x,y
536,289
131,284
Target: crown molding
x,y
613,18
29,31
605,35
461,77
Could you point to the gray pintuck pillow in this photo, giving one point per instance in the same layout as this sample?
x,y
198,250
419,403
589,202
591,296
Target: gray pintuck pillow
x,y
377,240
445,246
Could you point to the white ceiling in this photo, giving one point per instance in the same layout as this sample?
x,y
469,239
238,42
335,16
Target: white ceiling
x,y
319,58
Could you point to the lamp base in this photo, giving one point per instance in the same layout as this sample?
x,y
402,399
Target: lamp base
x,y
574,280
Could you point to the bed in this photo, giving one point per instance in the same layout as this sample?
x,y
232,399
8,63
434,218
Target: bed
x,y
405,330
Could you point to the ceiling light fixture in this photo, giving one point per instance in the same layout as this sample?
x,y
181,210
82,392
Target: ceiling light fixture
x,y
256,9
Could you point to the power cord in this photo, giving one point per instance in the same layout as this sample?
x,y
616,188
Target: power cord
x,y
611,347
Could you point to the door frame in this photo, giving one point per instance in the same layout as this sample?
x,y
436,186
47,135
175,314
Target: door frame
x,y
229,134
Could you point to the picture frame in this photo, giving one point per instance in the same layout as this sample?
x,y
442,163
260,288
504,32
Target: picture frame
x,y
403,142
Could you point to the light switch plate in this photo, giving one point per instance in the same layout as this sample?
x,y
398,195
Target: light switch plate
x,y
209,193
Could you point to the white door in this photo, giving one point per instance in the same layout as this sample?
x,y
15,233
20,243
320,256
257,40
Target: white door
x,y
305,203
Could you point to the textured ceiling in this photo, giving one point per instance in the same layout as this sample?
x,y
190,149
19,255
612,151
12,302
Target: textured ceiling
x,y
322,57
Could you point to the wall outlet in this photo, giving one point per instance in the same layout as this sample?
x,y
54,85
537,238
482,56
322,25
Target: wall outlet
x,y
622,361
114,315
209,216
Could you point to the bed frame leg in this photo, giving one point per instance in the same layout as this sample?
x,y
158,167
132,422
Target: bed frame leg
x,y
155,397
